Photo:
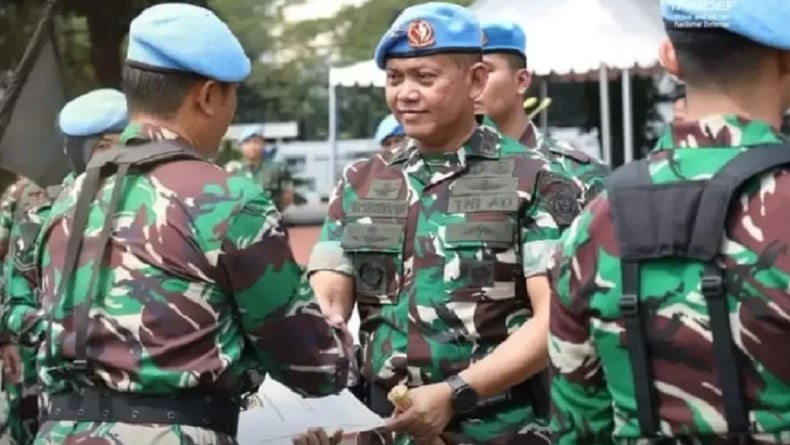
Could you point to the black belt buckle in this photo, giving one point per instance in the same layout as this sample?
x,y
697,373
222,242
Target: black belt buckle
x,y
712,285
79,364
629,305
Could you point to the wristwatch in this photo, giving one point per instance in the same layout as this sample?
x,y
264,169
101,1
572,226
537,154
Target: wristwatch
x,y
464,397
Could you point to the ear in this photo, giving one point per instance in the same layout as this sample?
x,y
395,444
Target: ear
x,y
523,81
478,76
208,95
668,58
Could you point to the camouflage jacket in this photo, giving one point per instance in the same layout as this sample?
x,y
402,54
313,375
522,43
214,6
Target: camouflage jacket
x,y
273,177
198,286
436,244
10,210
590,171
592,387
8,202
19,274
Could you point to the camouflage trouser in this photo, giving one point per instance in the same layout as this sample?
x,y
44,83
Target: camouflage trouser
x,y
19,414
109,433
532,434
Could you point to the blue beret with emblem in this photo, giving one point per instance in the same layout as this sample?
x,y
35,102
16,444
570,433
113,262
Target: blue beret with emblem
x,y
186,38
98,112
427,29
504,37
388,127
251,132
762,21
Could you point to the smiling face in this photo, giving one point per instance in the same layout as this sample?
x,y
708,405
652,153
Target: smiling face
x,y
430,95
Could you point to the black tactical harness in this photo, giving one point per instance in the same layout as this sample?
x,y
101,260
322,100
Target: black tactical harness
x,y
686,220
217,412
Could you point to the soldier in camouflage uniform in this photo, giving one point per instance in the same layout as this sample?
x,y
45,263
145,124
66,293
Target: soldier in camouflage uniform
x,y
101,115
672,332
445,251
20,406
504,53
389,133
154,325
272,176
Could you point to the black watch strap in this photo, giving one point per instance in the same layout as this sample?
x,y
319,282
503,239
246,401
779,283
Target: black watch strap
x,y
464,397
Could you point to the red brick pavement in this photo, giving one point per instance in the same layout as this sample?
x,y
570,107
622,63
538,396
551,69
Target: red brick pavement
x,y
302,240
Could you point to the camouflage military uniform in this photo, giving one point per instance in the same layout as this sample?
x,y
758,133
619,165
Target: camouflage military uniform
x,y
434,243
590,171
7,206
183,256
592,388
274,177
20,280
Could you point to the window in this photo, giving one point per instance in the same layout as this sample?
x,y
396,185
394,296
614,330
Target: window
x,y
295,164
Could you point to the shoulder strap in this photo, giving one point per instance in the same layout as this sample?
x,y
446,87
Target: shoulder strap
x,y
117,160
683,219
568,151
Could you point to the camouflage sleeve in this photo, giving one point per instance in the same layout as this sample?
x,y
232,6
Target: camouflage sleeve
x,y
22,315
581,403
554,205
594,178
327,253
7,204
281,319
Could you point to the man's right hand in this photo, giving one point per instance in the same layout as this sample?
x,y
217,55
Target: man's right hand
x,y
12,363
317,436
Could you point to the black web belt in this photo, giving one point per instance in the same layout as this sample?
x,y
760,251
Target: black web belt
x,y
215,412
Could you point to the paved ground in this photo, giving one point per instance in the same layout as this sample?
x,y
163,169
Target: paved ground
x,y
302,240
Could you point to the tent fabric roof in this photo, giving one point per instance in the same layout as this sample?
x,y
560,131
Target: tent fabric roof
x,y
563,36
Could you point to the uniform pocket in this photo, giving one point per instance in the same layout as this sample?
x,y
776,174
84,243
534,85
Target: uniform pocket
x,y
376,252
479,260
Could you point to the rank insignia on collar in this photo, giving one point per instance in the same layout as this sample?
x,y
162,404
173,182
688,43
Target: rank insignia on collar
x,y
420,34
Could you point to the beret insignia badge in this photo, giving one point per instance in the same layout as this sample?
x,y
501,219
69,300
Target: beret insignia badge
x,y
420,34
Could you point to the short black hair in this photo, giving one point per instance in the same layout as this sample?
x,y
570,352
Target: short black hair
x,y
714,55
153,92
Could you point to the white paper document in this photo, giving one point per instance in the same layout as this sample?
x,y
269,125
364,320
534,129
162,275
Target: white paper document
x,y
285,414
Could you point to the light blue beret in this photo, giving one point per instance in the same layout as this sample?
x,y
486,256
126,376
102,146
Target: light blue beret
x,y
251,131
427,29
389,126
504,37
100,111
186,38
762,21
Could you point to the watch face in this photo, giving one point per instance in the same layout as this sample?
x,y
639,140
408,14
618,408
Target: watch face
x,y
465,399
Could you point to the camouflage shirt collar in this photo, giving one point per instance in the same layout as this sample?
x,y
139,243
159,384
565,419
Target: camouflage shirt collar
x,y
483,143
140,132
718,131
531,136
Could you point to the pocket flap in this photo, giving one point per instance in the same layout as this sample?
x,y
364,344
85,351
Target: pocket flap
x,y
378,237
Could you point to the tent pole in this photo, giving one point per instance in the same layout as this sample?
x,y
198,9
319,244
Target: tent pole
x,y
544,113
606,133
628,118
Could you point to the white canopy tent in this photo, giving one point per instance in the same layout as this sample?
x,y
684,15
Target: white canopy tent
x,y
563,37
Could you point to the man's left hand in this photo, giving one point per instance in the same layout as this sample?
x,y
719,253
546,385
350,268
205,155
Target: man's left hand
x,y
430,411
